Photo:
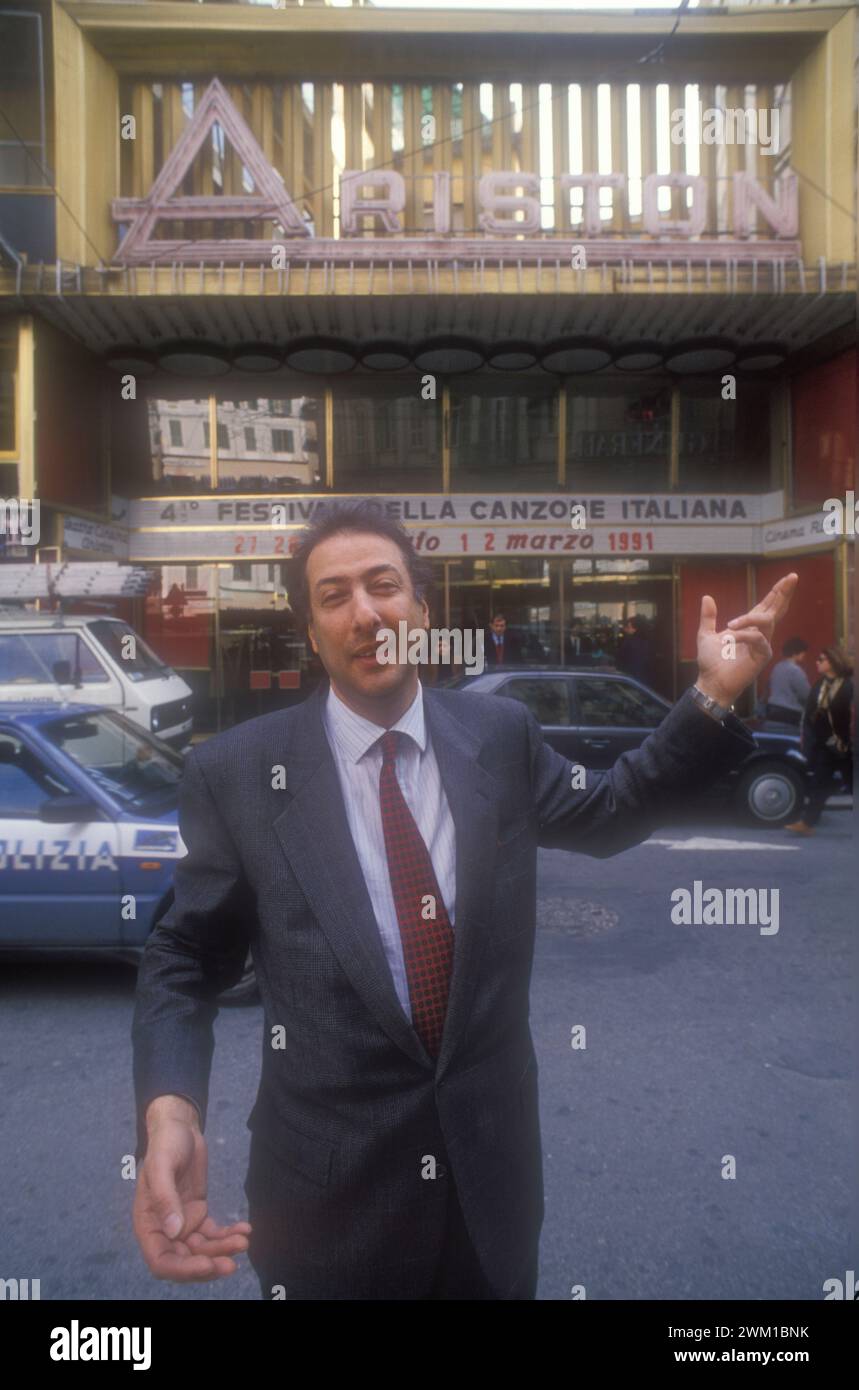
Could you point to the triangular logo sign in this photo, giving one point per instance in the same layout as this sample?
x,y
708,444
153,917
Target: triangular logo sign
x,y
271,201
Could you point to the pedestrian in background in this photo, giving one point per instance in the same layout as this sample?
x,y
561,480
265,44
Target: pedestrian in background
x,y
826,734
633,651
580,645
501,646
789,686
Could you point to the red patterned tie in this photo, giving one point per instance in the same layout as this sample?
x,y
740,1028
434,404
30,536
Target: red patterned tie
x,y
427,945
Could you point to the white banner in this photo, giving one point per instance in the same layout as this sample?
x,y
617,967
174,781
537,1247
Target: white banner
x,y
446,541
795,532
543,510
267,528
94,539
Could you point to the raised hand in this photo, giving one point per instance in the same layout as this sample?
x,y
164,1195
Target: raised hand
x,y
724,675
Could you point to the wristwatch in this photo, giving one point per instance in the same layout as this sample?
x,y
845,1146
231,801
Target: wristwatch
x,y
711,706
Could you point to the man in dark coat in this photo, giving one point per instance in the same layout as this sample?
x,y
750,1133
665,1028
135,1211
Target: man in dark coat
x,y
376,848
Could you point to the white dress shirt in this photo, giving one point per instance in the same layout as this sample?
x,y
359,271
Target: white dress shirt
x,y
358,757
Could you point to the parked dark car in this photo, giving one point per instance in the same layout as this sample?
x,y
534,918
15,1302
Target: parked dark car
x,y
592,716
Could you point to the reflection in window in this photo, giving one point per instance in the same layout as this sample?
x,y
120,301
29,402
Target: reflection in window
x,y
618,435
282,442
393,439
614,704
129,651
269,445
504,438
25,782
122,759
546,699
724,444
179,445
48,658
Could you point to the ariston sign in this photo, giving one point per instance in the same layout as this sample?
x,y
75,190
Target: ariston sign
x,y
510,212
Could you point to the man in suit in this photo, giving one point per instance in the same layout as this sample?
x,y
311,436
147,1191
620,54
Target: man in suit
x,y
501,646
376,848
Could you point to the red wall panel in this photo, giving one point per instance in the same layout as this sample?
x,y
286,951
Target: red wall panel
x,y
824,404
812,608
70,405
727,584
179,633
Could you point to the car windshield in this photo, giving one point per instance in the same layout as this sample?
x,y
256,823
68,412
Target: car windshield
x,y
134,769
129,651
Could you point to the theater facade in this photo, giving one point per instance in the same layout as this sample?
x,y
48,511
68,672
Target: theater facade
x,y
481,268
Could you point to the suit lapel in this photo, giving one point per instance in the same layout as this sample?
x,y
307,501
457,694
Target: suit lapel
x,y
314,834
472,795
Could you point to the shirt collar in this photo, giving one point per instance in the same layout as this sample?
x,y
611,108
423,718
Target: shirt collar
x,y
354,735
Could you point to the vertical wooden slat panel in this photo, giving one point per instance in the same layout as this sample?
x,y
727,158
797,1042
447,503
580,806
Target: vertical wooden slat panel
x,y
765,102
530,128
619,156
174,119
203,183
353,118
590,128
293,141
707,156
471,153
590,146
323,158
442,155
144,141
561,152
502,120
530,141
263,118
413,162
263,127
382,127
232,173
735,154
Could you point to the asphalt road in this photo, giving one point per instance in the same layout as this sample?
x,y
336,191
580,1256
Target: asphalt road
x,y
702,1041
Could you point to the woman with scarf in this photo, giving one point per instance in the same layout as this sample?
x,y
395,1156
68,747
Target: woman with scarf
x,y
826,734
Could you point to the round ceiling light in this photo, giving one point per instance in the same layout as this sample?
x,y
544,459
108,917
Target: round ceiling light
x,y
638,357
257,357
571,355
700,355
761,357
321,356
449,354
188,358
385,356
132,361
512,357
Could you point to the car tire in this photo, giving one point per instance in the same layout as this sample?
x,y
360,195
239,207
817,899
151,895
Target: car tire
x,y
770,794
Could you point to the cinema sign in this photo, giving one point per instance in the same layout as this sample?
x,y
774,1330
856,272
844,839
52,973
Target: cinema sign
x,y
510,213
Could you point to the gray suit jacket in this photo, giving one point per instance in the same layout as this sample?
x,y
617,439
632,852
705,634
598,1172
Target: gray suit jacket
x,y
350,1106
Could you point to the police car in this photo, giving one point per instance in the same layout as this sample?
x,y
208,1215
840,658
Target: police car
x,y
89,832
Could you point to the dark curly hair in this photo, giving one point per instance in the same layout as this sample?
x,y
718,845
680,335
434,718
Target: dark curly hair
x,y
363,516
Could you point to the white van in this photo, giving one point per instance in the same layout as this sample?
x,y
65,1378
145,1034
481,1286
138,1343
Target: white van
x,y
89,660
